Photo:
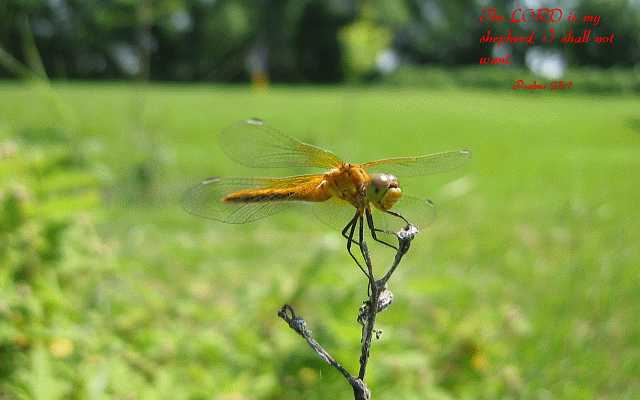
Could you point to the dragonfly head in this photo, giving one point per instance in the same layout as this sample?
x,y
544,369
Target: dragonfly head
x,y
383,191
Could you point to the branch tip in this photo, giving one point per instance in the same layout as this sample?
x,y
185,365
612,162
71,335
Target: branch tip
x,y
407,233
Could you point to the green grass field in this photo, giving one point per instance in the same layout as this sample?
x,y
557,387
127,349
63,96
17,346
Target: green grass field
x,y
525,286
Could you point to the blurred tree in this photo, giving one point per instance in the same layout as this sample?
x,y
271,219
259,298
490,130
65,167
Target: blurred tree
x,y
318,49
291,40
443,32
365,40
619,17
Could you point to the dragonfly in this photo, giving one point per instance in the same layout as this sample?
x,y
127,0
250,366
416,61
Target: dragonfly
x,y
351,193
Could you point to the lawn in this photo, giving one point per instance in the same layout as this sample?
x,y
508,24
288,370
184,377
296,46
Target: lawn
x,y
525,286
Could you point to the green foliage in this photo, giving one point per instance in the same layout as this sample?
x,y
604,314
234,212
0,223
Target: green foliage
x,y
364,40
618,17
525,286
46,190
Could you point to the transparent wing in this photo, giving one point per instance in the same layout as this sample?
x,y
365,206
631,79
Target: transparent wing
x,y
334,213
421,165
255,144
206,199
420,212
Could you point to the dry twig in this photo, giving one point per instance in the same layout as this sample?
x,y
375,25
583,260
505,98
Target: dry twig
x,y
379,295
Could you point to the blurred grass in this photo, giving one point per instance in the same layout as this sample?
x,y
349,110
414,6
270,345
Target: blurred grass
x,y
525,287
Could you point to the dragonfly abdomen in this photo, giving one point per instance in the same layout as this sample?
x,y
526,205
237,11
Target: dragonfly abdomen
x,y
256,196
287,194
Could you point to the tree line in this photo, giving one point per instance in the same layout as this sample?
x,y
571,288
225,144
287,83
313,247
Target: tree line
x,y
286,40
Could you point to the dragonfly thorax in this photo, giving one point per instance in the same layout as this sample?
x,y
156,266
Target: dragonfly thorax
x,y
348,182
383,190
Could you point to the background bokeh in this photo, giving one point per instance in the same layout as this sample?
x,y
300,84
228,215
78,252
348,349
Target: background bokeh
x,y
323,41
525,286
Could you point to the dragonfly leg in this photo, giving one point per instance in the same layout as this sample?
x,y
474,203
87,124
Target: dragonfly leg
x,y
395,214
373,231
351,226
351,223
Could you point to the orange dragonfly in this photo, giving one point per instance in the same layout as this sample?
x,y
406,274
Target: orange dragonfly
x,y
367,190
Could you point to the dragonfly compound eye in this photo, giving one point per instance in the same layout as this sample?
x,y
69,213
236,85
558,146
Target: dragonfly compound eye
x,y
384,190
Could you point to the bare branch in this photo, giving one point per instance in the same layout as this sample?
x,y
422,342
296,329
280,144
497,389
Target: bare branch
x,y
298,324
379,294
405,236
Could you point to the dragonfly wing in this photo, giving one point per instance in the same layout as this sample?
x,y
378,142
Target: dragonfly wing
x,y
421,165
420,212
255,144
334,213
206,199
